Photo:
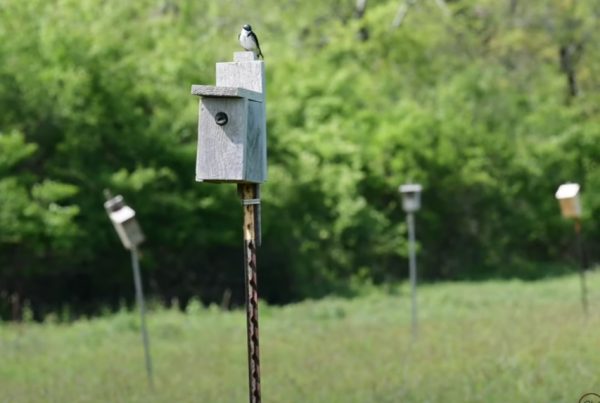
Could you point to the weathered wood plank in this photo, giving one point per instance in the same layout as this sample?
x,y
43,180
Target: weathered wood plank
x,y
221,148
253,158
235,149
244,56
247,72
226,92
249,75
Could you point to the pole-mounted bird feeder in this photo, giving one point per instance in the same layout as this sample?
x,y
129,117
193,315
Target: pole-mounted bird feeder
x,y
411,197
232,148
570,207
123,218
411,203
568,197
130,233
232,129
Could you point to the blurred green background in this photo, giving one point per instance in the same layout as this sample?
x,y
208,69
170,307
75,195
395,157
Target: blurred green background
x,y
489,104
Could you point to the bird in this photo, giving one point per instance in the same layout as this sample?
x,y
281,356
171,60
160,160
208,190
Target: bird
x,y
249,40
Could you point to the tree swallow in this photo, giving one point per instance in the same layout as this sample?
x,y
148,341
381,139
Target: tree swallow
x,y
249,41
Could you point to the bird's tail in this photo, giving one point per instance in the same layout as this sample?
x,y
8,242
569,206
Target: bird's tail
x,y
260,55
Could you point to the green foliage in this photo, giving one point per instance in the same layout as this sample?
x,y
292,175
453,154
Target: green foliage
x,y
472,102
31,221
13,150
489,341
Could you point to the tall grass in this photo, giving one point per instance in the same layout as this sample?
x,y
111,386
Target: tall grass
x,y
478,342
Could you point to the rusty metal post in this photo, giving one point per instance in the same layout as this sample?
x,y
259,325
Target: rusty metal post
x,y
584,301
249,194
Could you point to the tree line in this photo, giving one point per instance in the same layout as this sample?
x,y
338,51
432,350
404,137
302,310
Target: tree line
x,y
490,105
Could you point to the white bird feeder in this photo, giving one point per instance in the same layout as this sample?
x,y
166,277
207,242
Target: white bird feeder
x,y
568,197
411,197
130,233
411,202
124,221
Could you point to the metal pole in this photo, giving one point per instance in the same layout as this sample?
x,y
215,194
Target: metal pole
x,y
584,302
249,194
413,273
139,294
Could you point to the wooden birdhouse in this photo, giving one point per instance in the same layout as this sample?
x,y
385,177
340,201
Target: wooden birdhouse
x,y
568,197
232,134
124,221
411,197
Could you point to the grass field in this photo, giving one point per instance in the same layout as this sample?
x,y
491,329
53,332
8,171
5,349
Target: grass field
x,y
479,342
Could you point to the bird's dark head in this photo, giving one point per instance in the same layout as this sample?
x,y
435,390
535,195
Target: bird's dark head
x,y
247,28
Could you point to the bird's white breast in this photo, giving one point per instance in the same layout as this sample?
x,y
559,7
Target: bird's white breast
x,y
246,40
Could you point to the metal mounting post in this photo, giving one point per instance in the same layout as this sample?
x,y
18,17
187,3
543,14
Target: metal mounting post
x,y
410,219
584,301
251,203
139,295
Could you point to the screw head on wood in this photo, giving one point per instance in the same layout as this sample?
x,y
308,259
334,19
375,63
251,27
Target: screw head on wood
x,y
221,118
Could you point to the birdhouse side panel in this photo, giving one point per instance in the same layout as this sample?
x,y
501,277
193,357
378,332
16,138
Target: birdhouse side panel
x,y
123,236
410,204
255,158
571,208
134,232
220,155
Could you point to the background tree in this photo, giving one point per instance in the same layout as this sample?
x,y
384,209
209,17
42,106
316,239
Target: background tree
x,y
490,105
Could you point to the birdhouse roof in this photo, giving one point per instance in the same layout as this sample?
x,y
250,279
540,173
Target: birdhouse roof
x,y
114,204
213,91
567,191
410,188
123,214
